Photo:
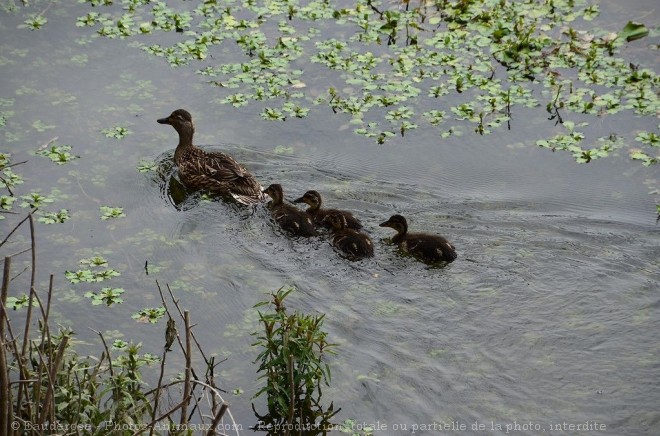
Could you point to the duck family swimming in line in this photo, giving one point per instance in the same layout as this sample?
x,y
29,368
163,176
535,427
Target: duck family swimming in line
x,y
222,175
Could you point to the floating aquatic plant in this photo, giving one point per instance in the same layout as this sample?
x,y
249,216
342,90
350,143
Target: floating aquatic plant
x,y
54,217
34,22
116,132
34,200
108,212
107,296
60,154
149,315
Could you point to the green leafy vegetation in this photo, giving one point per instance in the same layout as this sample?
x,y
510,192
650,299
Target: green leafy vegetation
x,y
107,296
150,315
98,394
108,212
94,274
60,154
147,166
54,217
292,364
116,132
633,31
34,200
34,22
481,61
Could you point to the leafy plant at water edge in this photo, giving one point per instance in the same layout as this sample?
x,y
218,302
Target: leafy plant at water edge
x,y
291,361
355,428
96,394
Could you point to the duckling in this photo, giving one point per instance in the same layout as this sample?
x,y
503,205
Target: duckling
x,y
425,247
313,199
214,171
290,218
351,243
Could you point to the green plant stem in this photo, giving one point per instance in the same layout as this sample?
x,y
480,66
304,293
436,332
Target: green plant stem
x,y
292,387
48,409
158,386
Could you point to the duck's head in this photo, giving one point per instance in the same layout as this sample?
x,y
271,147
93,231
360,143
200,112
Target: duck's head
x,y
181,120
275,192
312,198
397,222
336,220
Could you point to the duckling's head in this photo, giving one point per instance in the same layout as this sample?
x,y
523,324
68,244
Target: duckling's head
x,y
181,120
275,192
312,198
336,220
397,222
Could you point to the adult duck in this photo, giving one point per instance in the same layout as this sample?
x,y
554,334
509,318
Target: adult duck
x,y
290,218
314,201
427,248
214,171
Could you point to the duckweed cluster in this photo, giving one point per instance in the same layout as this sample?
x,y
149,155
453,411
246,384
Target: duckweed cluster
x,y
452,66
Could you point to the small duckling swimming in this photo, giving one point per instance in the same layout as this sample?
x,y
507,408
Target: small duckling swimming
x,y
290,218
351,243
213,171
425,247
313,199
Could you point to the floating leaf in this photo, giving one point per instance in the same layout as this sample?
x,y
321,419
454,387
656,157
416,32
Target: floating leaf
x,y
633,31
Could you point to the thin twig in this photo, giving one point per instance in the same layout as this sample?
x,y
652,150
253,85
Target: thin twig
x,y
112,374
176,304
18,225
33,278
160,380
217,419
4,380
20,252
152,423
186,386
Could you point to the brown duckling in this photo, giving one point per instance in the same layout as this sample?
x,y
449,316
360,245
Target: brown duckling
x,y
351,243
425,247
290,218
214,171
313,199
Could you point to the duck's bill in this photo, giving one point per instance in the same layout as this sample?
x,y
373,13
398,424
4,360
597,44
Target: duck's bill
x,y
163,121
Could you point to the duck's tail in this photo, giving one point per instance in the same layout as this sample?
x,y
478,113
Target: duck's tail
x,y
249,199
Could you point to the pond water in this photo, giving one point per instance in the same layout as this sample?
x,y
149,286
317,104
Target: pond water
x,y
550,314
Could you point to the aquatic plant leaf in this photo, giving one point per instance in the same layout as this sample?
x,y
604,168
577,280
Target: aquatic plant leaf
x,y
633,31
